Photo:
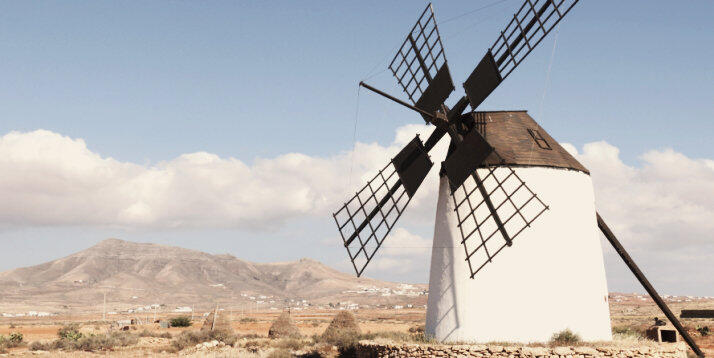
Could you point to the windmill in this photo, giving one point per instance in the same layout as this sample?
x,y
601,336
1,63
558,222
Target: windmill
x,y
507,189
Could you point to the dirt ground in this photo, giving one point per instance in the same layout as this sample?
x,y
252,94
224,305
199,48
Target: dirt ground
x,y
637,314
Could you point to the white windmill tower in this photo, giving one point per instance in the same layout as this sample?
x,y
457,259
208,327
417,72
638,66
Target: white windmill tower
x,y
507,264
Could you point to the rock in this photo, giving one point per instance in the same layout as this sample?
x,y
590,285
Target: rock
x,y
495,349
585,351
535,351
562,351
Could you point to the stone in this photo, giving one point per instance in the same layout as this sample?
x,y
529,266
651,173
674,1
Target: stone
x,y
562,351
585,351
495,349
533,351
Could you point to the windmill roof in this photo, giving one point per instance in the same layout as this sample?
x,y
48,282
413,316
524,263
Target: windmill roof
x,y
518,140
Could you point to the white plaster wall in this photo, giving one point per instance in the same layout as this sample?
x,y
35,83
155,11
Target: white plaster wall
x,y
552,278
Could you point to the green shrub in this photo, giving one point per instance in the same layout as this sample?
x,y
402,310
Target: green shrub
x,y
565,337
180,321
11,341
16,337
248,320
70,332
704,331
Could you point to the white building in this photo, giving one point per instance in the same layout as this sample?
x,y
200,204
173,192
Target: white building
x,y
553,275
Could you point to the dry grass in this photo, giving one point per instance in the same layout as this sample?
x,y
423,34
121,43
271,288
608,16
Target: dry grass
x,y
291,343
284,327
191,338
147,333
280,353
88,343
343,331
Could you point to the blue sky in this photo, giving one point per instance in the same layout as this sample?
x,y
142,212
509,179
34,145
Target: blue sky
x,y
146,82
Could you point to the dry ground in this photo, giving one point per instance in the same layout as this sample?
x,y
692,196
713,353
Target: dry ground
x,y
635,314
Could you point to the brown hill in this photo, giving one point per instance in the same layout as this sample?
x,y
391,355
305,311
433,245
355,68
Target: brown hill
x,y
140,272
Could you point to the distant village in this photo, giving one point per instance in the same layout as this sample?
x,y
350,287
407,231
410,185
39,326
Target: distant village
x,y
253,302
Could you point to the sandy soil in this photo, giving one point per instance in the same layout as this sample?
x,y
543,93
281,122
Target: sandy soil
x,y
634,313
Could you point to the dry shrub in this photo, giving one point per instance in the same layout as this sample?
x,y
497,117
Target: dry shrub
x,y
256,345
103,342
343,331
280,353
89,343
291,344
284,327
249,336
191,338
416,329
565,337
165,349
147,333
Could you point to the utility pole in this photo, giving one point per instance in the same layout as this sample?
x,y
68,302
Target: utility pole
x,y
104,309
215,317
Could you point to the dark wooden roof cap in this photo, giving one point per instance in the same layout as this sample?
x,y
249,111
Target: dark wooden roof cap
x,y
518,140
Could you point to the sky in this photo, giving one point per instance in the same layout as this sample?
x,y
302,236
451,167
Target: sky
x,y
238,127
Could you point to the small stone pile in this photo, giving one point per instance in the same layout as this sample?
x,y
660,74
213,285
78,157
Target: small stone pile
x,y
284,327
209,345
370,349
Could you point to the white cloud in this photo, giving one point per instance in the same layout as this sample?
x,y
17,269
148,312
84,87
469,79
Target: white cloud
x,y
661,208
402,252
50,179
667,202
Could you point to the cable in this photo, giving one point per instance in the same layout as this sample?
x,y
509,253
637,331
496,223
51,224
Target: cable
x,y
472,11
354,139
547,77
545,87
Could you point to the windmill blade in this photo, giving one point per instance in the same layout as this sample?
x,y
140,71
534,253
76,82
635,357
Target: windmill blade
x,y
492,212
529,25
420,65
368,217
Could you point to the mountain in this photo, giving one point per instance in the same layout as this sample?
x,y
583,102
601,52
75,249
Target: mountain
x,y
130,272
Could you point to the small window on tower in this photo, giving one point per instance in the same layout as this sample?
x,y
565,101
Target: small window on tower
x,y
542,143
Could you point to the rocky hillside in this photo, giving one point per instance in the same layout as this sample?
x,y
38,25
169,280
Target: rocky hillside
x,y
131,271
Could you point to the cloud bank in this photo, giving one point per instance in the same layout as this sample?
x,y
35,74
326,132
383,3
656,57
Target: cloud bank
x,y
51,179
662,207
